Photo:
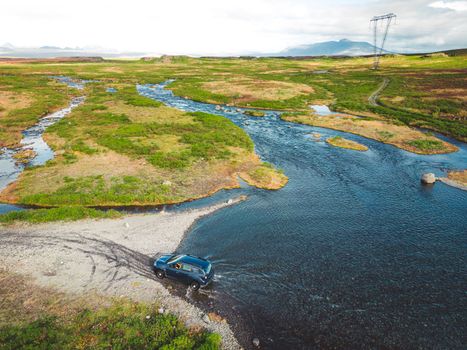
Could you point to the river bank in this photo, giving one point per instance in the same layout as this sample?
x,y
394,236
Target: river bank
x,y
111,258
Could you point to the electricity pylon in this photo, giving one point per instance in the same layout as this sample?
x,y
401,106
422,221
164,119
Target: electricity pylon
x,y
383,19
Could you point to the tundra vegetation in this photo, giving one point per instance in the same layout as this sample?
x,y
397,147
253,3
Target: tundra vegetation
x,y
33,317
120,148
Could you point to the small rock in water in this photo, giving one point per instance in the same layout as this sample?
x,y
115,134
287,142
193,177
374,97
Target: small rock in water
x,y
316,135
428,178
255,342
230,201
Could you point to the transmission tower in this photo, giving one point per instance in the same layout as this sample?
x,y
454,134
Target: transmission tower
x,y
384,20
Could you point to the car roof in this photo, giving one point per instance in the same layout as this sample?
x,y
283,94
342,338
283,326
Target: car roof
x,y
193,260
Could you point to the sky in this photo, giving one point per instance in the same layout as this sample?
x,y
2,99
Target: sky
x,y
222,27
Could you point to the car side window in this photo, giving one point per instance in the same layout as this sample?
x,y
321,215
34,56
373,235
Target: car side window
x,y
186,267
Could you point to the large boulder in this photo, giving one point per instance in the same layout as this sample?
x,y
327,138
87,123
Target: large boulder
x,y
428,178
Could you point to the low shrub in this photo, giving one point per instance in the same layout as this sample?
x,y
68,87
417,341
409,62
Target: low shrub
x,y
56,214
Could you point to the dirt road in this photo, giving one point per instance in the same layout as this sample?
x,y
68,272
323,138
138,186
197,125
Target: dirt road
x,y
372,100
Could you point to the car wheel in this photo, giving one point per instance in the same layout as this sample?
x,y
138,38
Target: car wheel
x,y
160,274
194,285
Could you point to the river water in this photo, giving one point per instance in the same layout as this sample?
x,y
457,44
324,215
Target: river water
x,y
353,253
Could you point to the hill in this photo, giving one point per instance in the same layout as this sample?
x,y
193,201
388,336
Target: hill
x,y
343,47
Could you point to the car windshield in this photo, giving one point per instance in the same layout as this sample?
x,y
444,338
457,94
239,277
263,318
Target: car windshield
x,y
207,269
174,258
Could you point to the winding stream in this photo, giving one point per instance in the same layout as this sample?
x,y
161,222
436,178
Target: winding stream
x,y
353,253
32,139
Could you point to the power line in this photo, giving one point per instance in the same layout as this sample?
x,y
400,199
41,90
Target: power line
x,y
384,19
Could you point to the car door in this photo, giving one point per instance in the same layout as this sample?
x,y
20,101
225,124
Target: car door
x,y
174,271
186,272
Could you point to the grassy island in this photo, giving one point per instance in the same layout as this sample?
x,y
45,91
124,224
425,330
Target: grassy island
x,y
125,149
341,142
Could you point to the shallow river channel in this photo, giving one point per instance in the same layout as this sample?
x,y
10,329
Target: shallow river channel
x,y
353,253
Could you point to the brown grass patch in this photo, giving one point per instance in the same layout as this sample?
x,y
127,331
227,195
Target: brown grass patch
x,y
396,99
459,176
453,93
21,300
244,89
10,100
113,70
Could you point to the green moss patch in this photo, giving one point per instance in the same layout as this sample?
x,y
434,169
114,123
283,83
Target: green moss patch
x,y
56,214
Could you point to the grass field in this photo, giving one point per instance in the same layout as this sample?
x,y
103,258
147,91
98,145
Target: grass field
x,y
121,148
33,317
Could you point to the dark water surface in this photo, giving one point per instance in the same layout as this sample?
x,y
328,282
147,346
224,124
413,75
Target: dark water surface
x,y
353,253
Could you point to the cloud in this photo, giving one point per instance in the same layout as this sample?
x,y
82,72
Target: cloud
x,y
215,27
451,5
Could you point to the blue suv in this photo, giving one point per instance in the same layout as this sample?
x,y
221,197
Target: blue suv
x,y
196,272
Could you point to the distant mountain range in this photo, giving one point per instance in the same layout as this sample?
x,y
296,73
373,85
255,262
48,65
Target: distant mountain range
x,y
343,47
9,50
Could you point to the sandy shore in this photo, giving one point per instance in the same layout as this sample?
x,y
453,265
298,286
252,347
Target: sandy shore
x,y
109,257
452,183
